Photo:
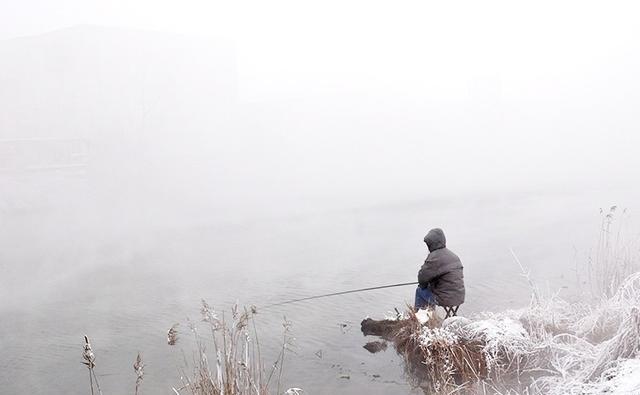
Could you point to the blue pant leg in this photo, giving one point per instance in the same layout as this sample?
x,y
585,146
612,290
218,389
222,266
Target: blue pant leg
x,y
424,298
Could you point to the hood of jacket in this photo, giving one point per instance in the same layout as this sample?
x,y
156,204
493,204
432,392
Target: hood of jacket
x,y
435,239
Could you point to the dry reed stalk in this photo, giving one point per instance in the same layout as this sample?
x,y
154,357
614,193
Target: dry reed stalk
x,y
138,368
90,362
172,335
615,256
237,370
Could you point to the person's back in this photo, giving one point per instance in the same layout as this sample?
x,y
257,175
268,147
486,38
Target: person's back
x,y
441,279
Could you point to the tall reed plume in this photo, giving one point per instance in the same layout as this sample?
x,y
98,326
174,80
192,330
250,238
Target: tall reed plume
x,y
90,362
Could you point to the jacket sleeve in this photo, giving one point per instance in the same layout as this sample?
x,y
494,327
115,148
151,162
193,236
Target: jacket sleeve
x,y
428,272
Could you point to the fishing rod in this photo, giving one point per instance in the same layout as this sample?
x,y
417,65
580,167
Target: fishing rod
x,y
335,294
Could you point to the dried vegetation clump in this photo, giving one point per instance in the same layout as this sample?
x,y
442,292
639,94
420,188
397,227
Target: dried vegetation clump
x,y
438,358
238,368
226,358
543,349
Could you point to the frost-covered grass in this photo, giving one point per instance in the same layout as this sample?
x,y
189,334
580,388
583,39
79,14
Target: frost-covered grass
x,y
594,347
551,347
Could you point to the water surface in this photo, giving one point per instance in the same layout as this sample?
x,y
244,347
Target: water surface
x,y
126,291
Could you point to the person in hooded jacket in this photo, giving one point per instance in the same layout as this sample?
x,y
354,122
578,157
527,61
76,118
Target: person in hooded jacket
x,y
440,279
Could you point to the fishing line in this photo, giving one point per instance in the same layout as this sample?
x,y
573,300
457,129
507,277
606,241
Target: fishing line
x,y
335,294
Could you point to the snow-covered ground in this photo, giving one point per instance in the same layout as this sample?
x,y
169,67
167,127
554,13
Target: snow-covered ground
x,y
553,346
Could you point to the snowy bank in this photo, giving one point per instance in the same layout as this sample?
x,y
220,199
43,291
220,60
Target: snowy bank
x,y
551,347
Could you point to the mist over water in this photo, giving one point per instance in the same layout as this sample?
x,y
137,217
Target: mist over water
x,y
126,292
141,171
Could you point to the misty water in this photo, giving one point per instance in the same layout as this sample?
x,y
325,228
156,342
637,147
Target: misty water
x,y
124,284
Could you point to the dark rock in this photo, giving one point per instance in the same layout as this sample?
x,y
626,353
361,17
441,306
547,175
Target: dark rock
x,y
385,329
376,346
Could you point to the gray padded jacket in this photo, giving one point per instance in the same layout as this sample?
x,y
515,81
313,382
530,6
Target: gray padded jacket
x,y
442,271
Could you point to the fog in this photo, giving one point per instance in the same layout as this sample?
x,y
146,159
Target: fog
x,y
140,136
345,104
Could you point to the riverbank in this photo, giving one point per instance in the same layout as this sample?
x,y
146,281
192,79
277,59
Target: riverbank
x,y
551,347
